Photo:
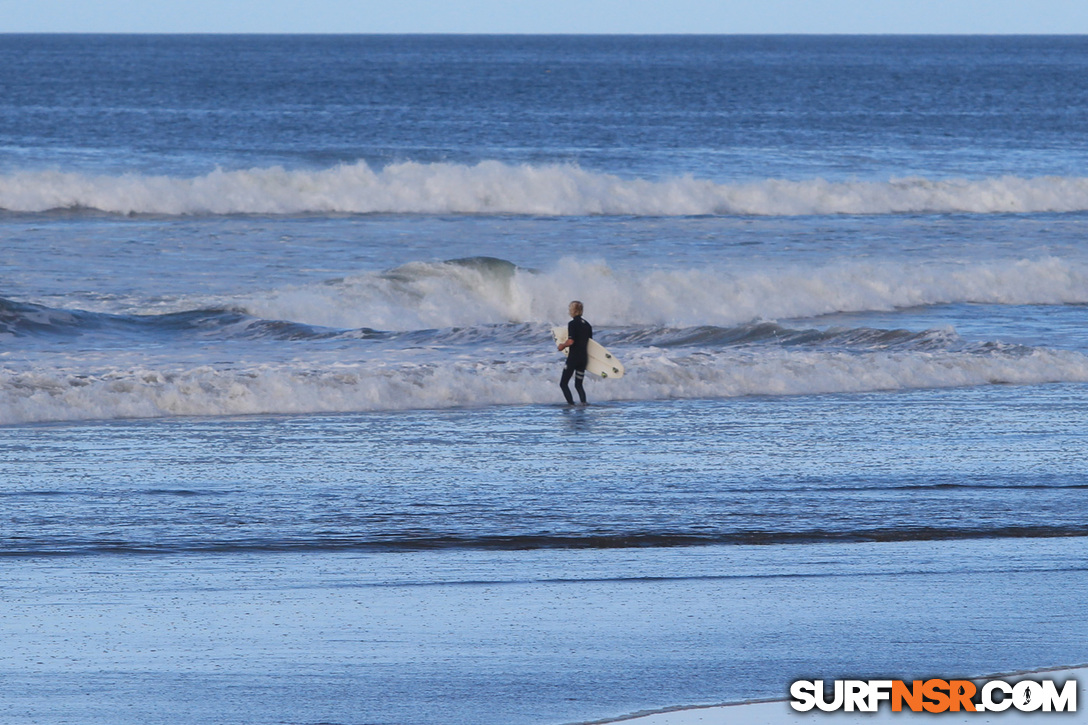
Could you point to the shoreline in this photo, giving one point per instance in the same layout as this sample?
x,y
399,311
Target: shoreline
x,y
778,711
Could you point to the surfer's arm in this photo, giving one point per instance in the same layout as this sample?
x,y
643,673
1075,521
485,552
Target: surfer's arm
x,y
564,345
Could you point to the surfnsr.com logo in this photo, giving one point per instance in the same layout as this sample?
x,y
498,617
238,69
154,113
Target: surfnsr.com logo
x,y
935,696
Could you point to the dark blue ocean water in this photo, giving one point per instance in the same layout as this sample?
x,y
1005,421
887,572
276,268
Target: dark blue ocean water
x,y
723,108
280,438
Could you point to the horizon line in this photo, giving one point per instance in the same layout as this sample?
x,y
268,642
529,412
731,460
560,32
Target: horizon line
x,y
544,34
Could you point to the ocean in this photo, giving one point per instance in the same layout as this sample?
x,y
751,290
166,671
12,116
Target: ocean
x,y
281,437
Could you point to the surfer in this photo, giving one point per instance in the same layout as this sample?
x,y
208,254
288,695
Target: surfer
x,y
579,333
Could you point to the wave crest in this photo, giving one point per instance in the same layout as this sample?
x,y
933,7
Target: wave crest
x,y
670,306
492,187
436,295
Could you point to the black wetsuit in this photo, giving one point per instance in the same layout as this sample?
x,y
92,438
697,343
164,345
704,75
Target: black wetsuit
x,y
580,332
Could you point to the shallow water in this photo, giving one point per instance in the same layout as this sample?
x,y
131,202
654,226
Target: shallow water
x,y
537,564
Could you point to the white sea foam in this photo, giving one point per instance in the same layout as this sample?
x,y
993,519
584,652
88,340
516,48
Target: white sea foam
x,y
652,374
492,187
439,295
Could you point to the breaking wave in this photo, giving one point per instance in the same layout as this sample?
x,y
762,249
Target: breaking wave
x,y
152,391
475,332
481,291
492,187
467,292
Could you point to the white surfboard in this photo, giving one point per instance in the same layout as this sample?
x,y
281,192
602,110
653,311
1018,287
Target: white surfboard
x,y
602,363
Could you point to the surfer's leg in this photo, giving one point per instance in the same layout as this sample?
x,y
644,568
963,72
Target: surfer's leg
x,y
578,376
567,372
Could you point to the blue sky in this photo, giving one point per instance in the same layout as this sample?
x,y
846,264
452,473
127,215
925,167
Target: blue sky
x,y
546,16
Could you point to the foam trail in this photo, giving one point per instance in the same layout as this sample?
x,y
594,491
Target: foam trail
x,y
491,187
141,392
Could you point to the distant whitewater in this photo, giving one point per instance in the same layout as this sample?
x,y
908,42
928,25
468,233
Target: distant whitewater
x,y
493,187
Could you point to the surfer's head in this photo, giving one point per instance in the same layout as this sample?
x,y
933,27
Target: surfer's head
x,y
576,309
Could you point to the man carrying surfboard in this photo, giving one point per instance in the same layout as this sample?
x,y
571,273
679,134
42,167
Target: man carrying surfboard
x,y
579,333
